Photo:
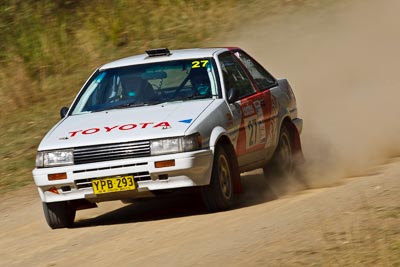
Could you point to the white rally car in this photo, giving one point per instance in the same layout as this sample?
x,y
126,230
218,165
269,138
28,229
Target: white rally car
x,y
163,121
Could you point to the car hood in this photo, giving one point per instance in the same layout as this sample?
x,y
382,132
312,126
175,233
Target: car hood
x,y
123,125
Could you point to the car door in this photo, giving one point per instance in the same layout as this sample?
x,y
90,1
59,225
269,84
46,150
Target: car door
x,y
249,133
264,83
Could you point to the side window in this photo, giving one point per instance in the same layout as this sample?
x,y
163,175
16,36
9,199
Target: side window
x,y
262,78
234,76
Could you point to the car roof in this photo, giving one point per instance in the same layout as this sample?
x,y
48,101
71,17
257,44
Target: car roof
x,y
175,55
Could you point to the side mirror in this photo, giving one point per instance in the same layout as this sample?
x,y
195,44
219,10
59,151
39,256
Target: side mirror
x,y
232,95
63,112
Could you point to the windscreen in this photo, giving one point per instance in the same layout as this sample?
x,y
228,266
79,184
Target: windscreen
x,y
148,84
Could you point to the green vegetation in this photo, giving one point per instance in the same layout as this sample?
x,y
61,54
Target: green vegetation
x,y
45,41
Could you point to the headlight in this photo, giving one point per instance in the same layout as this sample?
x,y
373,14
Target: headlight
x,y
54,158
175,144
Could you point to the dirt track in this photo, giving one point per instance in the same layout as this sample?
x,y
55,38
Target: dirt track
x,y
342,62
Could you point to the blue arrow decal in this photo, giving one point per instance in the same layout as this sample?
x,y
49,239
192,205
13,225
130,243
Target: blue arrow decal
x,y
186,121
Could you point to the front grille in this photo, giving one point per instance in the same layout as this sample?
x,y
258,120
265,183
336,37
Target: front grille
x,y
99,153
139,176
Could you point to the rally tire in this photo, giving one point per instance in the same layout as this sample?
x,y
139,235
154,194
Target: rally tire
x,y
218,195
59,214
282,162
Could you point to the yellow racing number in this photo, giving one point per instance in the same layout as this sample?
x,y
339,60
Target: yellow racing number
x,y
199,63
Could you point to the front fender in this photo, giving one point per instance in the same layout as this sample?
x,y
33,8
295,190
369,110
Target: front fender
x,y
215,135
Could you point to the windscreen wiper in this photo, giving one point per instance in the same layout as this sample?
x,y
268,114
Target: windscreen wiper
x,y
190,97
127,105
130,105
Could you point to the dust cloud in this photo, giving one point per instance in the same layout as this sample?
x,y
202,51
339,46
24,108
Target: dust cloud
x,y
342,60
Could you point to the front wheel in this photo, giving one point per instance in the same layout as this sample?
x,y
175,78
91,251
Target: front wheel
x,y
218,195
59,214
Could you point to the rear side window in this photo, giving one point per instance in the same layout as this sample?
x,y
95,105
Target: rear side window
x,y
234,76
263,79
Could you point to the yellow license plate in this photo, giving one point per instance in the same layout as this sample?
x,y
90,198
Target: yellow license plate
x,y
113,184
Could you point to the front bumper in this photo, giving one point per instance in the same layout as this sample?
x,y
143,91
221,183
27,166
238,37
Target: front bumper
x,y
191,169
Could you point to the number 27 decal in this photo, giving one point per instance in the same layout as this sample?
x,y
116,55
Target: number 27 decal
x,y
199,63
252,131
